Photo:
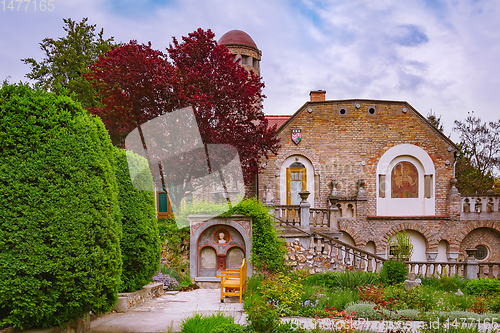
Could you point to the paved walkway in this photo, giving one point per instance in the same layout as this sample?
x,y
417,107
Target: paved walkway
x,y
167,312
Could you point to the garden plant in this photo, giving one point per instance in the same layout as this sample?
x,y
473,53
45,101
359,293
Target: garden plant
x,y
60,230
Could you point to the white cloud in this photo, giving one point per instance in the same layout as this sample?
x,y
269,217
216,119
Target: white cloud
x,y
440,55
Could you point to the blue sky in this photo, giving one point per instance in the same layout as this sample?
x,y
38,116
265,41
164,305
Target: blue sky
x,y
435,54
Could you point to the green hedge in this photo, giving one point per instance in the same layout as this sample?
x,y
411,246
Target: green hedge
x,y
483,287
60,228
140,244
268,250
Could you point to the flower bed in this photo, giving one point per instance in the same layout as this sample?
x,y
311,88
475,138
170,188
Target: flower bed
x,y
363,296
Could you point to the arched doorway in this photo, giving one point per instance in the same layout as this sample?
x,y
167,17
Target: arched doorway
x,y
296,175
296,182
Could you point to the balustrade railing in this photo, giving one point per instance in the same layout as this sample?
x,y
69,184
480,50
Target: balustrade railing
x,y
350,256
484,206
428,269
320,218
287,214
490,270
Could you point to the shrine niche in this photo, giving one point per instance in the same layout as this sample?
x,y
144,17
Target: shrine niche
x,y
218,244
404,181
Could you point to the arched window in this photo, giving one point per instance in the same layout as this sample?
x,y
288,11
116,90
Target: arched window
x,y
404,181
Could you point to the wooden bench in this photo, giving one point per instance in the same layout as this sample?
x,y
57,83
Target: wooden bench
x,y
233,281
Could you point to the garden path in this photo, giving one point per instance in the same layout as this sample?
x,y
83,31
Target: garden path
x,y
165,313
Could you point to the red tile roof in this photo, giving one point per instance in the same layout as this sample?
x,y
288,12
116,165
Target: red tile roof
x,y
277,120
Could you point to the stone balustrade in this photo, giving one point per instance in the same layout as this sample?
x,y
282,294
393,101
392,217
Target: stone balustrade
x,y
329,254
489,270
428,269
349,256
288,214
320,218
484,207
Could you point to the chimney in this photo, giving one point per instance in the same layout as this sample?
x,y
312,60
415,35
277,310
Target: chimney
x,y
317,95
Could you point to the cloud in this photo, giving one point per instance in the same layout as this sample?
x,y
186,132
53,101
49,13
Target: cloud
x,y
408,35
439,54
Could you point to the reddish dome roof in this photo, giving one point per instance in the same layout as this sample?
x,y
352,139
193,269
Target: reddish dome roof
x,y
237,37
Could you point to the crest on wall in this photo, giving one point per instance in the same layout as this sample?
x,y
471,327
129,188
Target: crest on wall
x,y
296,136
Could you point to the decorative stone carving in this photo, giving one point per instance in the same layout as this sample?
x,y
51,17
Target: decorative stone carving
x,y
335,192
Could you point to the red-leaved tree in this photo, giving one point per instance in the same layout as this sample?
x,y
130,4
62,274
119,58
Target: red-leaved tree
x,y
139,84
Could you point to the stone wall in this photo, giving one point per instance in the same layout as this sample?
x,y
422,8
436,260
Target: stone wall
x,y
127,301
299,258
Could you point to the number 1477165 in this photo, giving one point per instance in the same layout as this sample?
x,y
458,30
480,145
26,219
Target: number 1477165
x,y
27,5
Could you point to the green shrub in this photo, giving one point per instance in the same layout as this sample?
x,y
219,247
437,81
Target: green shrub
x,y
283,291
413,298
339,298
60,228
393,272
268,250
140,243
495,305
326,279
263,317
344,280
484,287
200,323
445,283
352,280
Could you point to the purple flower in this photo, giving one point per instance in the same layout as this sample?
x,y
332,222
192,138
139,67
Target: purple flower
x,y
169,282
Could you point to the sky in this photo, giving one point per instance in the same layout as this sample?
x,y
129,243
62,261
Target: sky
x,y
438,55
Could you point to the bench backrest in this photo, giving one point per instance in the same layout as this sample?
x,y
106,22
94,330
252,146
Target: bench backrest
x,y
243,272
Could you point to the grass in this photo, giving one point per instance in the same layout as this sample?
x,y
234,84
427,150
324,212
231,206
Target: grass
x,y
343,280
200,323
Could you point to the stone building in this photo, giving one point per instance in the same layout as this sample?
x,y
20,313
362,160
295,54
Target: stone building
x,y
387,169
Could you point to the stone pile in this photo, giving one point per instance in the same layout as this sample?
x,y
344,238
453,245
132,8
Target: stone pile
x,y
318,258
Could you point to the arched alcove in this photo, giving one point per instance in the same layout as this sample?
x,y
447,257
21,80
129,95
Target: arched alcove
x,y
221,241
405,182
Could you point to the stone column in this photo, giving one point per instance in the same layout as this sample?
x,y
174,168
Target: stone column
x,y
333,214
304,210
361,199
471,266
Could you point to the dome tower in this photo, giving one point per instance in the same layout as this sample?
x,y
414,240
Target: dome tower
x,y
240,43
